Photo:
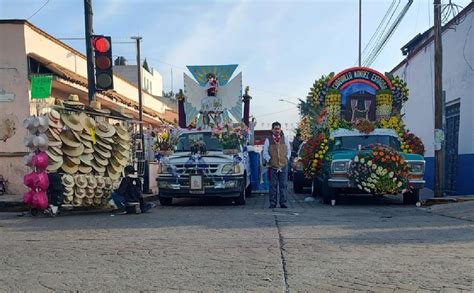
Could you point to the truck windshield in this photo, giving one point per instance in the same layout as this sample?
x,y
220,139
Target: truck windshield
x,y
353,142
187,139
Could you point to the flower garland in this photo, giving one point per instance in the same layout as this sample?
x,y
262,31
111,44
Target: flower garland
x,y
305,128
231,137
384,101
412,144
400,92
333,104
317,95
379,170
394,122
313,154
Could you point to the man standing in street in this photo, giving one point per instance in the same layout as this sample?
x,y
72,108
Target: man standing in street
x,y
276,152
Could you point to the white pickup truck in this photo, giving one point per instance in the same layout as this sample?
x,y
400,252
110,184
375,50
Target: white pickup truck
x,y
199,168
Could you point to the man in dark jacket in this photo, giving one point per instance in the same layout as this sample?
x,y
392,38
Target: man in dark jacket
x,y
130,191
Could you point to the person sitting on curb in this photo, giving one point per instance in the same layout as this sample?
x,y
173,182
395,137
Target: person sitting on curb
x,y
130,191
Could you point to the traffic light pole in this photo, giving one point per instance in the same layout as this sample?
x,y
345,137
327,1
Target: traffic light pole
x,y
90,53
139,84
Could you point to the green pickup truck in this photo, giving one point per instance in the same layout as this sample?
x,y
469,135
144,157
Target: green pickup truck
x,y
345,144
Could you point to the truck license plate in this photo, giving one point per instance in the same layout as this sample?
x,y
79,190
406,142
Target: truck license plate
x,y
196,184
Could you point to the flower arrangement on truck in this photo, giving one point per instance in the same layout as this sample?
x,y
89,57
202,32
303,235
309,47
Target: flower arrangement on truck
x,y
355,137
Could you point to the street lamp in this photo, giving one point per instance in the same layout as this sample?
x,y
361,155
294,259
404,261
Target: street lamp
x,y
283,100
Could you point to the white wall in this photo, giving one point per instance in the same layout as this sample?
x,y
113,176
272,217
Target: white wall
x,y
458,82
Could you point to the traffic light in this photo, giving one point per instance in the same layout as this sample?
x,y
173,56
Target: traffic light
x,y
104,79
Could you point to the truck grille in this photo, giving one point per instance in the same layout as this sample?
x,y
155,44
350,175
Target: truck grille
x,y
194,169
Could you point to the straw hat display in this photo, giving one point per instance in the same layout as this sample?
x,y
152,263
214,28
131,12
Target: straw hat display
x,y
97,106
119,154
80,192
54,119
85,169
104,130
73,101
81,181
72,121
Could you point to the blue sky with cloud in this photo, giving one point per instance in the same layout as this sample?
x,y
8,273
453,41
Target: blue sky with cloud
x,y
281,46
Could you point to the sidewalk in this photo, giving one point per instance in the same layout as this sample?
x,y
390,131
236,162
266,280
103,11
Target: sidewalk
x,y
463,210
13,203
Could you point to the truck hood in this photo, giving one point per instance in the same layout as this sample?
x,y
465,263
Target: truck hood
x,y
210,158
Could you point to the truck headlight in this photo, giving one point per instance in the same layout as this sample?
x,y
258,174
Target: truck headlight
x,y
339,166
231,169
416,168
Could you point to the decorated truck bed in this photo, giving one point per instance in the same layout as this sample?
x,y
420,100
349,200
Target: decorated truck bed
x,y
356,141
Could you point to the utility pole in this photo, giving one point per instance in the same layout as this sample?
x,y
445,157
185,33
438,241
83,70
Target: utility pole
x,y
139,84
360,32
438,96
89,52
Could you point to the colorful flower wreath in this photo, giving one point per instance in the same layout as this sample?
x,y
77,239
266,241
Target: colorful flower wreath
x,y
379,170
412,144
313,154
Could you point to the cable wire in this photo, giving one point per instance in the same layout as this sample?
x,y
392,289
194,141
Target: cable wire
x,y
39,9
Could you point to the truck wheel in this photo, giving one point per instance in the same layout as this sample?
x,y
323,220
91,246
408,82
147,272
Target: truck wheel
x,y
328,193
411,197
166,201
240,200
248,191
297,185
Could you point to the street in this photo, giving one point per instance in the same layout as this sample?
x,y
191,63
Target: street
x,y
196,245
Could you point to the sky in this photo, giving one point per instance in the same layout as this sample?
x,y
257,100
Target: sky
x,y
281,46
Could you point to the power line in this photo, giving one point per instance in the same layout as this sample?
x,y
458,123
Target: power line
x,y
39,9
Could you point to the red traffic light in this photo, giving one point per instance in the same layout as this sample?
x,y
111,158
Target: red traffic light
x,y
101,44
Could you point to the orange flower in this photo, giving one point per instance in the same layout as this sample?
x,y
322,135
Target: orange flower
x,y
393,158
381,153
383,160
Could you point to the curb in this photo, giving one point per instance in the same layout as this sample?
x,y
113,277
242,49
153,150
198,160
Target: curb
x,y
446,200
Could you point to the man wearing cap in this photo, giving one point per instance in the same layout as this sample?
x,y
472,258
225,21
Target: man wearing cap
x,y
276,152
130,191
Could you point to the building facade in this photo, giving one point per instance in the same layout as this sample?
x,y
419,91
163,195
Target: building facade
x,y
458,84
26,51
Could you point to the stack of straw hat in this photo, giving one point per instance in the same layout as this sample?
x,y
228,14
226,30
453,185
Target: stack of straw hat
x,y
102,147
68,183
120,152
54,151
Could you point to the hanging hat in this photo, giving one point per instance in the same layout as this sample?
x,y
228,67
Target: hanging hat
x,y
122,145
69,167
103,144
53,156
68,190
85,135
88,150
122,132
97,201
100,181
121,154
98,168
103,153
87,143
68,198
121,111
53,134
55,165
90,192
73,160
77,135
77,201
104,130
113,174
100,161
88,201
69,138
72,121
87,122
55,150
91,182
97,106
85,169
67,180
99,193
73,152
108,183
55,143
73,100
54,119
118,162
81,181
41,141
86,159
80,192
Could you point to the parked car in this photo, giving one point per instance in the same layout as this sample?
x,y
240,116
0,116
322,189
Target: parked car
x,y
206,172
334,179
299,179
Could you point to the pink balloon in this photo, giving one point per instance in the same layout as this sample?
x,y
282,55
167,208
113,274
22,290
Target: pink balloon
x,y
42,181
40,161
28,197
40,200
30,179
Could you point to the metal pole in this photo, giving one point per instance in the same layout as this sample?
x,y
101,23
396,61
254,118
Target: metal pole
x,y
139,84
438,95
360,31
90,54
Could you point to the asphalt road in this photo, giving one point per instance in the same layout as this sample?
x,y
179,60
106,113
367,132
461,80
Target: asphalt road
x,y
361,244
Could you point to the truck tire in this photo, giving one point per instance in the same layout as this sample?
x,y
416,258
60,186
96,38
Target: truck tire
x,y
328,193
248,191
240,200
166,201
297,188
411,197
